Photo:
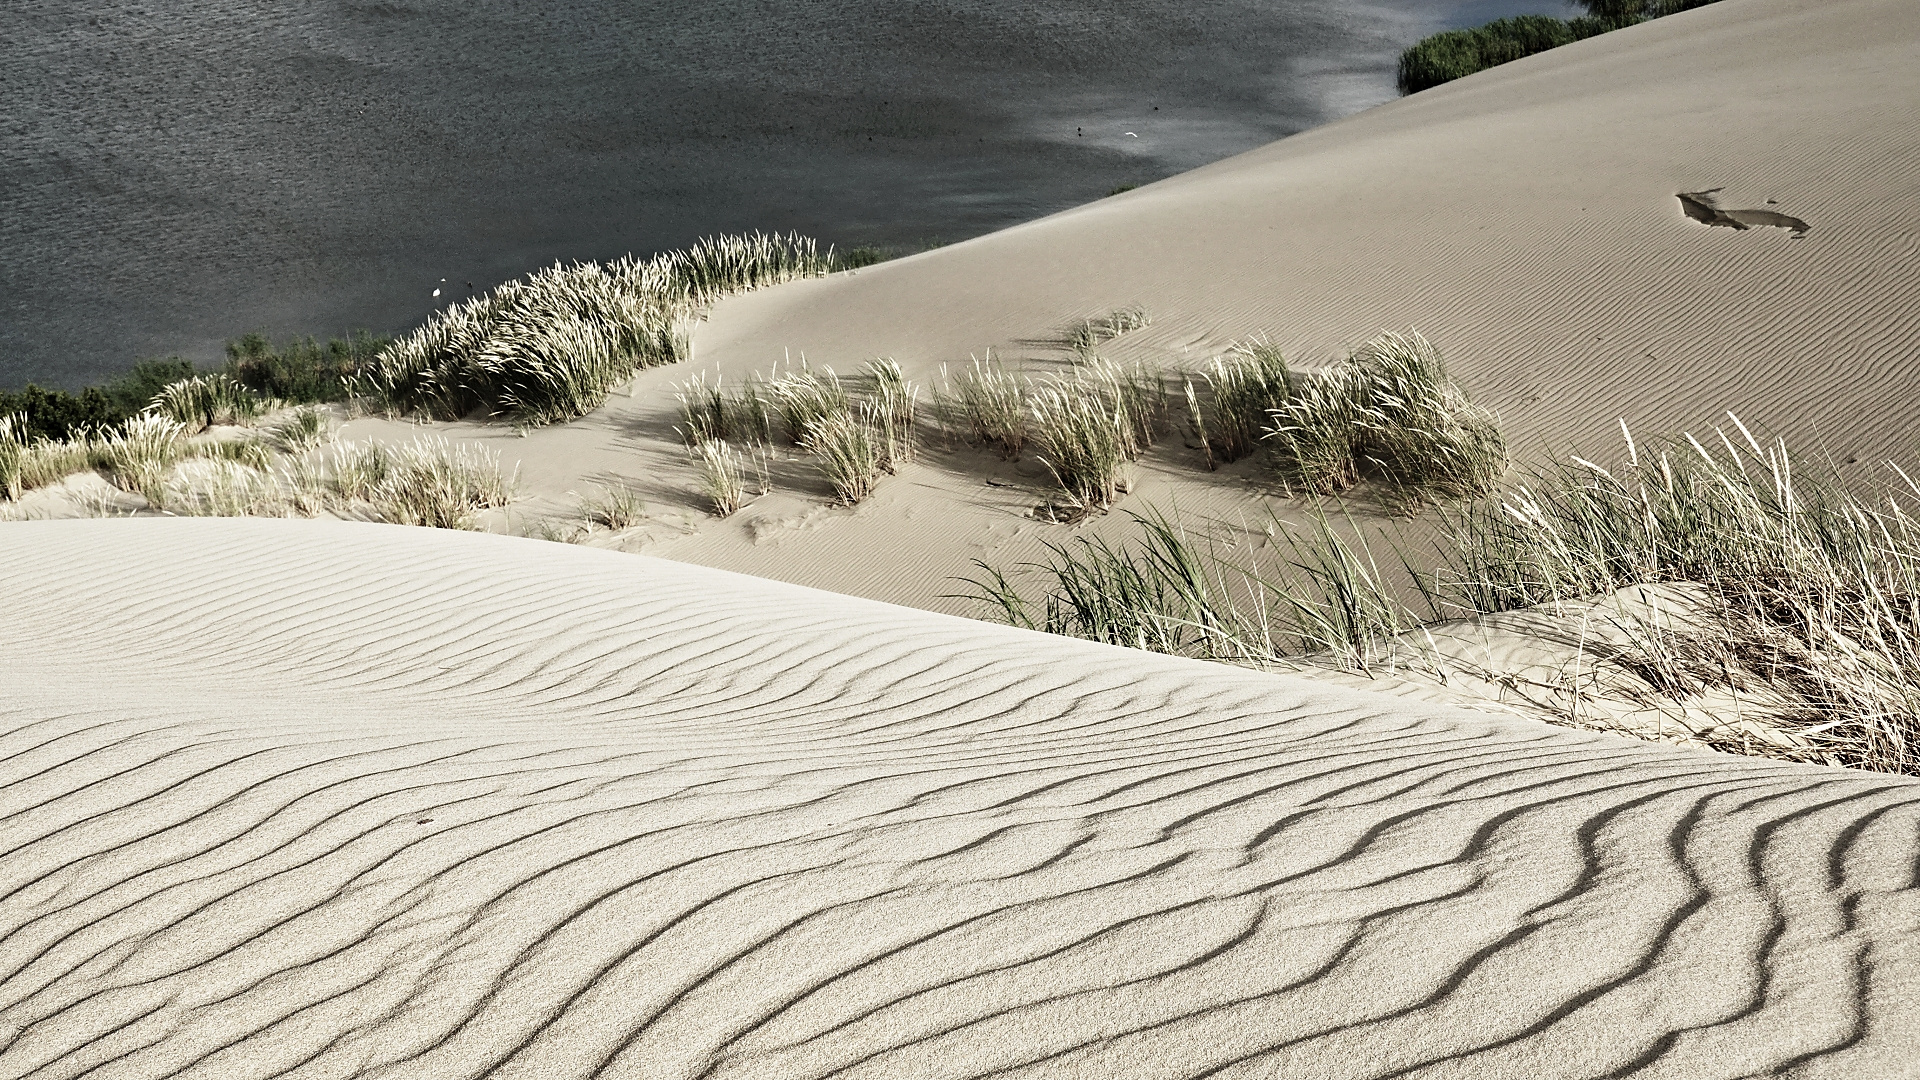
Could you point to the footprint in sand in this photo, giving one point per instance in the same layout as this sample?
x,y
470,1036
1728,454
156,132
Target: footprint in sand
x,y
1700,206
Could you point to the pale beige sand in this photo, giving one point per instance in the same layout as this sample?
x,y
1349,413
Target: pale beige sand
x,y
1526,219
322,799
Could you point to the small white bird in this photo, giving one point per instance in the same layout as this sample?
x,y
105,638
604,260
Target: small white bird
x,y
1131,133
436,292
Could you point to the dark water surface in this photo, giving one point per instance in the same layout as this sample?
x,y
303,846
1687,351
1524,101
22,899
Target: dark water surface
x,y
174,173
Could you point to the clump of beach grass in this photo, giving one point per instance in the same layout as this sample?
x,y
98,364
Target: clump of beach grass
x,y
1084,439
299,431
436,484
26,464
229,489
617,507
891,406
989,404
806,396
550,347
139,454
1389,413
1175,591
847,449
722,478
202,401
13,456
1244,388
704,412
1803,593
1089,334
1090,423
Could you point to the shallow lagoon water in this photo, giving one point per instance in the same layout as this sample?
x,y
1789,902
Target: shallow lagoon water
x,y
173,175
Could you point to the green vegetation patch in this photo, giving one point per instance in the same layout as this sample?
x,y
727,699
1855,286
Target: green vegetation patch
x,y
1451,54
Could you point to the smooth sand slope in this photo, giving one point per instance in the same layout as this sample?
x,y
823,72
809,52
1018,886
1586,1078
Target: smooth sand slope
x,y
322,799
1526,219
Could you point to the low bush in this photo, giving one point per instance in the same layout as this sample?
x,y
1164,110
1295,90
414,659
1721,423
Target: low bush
x,y
302,371
1452,54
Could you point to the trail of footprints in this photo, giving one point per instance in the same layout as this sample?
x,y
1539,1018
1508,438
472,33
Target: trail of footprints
x,y
304,799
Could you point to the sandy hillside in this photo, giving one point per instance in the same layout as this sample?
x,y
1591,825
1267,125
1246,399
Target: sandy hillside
x,y
320,799
1526,219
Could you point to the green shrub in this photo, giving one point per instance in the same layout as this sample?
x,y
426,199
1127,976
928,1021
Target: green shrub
x,y
1452,54
302,371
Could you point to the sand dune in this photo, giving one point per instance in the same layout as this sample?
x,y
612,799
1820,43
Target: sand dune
x,y
306,799
1528,219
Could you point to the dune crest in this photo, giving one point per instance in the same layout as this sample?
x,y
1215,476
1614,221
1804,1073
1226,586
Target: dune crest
x,y
311,799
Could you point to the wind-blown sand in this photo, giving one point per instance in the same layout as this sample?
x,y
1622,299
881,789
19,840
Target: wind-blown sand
x,y
309,799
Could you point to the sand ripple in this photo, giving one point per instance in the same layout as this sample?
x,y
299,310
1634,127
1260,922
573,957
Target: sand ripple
x,y
313,799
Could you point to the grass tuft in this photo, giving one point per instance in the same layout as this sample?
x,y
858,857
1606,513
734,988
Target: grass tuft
x,y
848,452
1089,334
1243,389
205,400
721,477
300,431
989,404
1389,413
138,456
617,507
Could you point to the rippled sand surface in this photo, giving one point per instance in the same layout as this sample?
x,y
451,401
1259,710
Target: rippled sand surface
x,y
322,799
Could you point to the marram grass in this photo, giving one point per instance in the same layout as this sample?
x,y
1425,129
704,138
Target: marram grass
x,y
1807,591
551,346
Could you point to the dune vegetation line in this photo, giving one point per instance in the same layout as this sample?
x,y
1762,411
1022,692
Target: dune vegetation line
x,y
546,348
1389,415
550,347
1802,596
288,468
1453,54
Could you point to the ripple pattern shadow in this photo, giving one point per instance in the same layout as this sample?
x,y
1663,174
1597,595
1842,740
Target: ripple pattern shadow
x,y
312,799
